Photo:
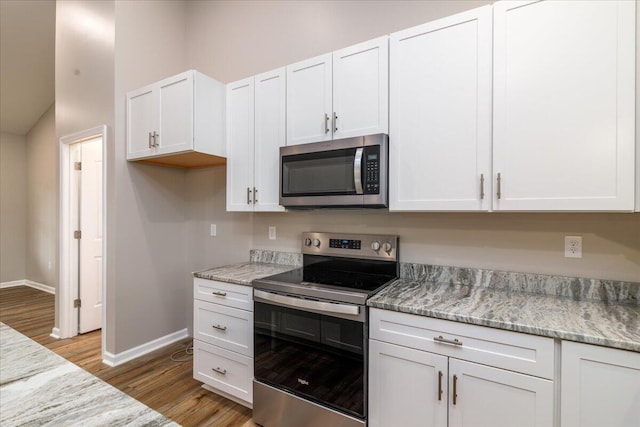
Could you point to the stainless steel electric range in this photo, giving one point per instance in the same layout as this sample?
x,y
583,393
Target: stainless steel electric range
x,y
310,331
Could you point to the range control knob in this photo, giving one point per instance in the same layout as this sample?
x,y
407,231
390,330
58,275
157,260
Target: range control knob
x,y
375,245
387,247
307,242
316,243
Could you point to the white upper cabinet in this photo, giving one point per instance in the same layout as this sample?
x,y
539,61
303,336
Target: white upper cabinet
x,y
240,141
269,137
255,132
361,89
564,102
440,108
309,100
178,121
339,95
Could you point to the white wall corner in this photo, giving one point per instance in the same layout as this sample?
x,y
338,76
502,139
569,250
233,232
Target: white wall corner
x,y
112,359
55,333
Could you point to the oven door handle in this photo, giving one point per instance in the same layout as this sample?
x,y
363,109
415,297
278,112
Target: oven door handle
x,y
327,307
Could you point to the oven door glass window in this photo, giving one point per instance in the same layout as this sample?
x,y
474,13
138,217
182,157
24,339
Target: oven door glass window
x,y
317,174
314,356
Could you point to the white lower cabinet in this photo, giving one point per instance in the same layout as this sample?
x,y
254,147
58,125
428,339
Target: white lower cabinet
x,y
223,338
600,386
410,386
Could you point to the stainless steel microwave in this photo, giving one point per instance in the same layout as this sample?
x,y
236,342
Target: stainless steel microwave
x,y
350,172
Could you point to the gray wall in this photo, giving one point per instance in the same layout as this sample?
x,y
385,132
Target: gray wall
x,y
232,40
151,281
42,202
13,207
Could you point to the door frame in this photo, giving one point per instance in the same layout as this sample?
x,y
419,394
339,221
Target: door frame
x,y
67,315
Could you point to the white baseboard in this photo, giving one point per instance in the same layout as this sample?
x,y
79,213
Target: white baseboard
x,y
30,283
127,355
55,333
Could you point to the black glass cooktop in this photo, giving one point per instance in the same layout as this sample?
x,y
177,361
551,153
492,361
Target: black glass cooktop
x,y
354,274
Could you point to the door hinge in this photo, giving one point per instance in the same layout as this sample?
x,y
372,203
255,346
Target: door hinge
x,y
76,303
77,234
77,166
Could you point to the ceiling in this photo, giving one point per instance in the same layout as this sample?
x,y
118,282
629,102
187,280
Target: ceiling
x,y
27,62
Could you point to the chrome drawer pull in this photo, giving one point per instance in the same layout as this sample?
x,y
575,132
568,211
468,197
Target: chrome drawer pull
x,y
447,341
220,371
221,328
218,293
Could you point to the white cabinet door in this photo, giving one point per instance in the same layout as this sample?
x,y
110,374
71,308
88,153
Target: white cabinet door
x,y
240,138
176,114
142,120
440,103
564,85
600,386
405,385
361,89
483,396
269,137
309,100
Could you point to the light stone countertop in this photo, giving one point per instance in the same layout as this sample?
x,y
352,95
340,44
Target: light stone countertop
x,y
243,273
588,321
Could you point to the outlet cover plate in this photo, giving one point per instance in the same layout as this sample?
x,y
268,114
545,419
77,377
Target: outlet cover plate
x,y
272,232
573,246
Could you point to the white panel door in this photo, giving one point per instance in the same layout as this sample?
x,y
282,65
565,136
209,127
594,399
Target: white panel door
x,y
405,385
176,114
309,105
564,85
269,137
600,386
90,286
142,120
240,140
440,124
486,396
361,89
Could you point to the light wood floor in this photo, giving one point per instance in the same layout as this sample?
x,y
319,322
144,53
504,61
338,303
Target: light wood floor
x,y
166,386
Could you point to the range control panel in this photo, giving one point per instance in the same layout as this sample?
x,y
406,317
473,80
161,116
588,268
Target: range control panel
x,y
370,246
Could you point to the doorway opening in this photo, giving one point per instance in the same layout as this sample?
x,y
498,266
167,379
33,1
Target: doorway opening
x,y
80,302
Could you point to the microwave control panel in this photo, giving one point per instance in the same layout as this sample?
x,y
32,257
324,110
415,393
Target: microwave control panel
x,y
371,175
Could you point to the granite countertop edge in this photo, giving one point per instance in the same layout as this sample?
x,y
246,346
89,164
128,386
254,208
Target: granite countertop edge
x,y
242,273
615,312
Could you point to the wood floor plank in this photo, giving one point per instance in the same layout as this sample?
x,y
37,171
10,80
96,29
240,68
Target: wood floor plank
x,y
165,386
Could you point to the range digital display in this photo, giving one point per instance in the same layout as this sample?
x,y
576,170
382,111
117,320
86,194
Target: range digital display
x,y
345,244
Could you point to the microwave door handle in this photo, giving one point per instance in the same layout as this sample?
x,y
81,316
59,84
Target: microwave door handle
x,y
357,170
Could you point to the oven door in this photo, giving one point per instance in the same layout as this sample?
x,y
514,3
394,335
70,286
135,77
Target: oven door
x,y
314,350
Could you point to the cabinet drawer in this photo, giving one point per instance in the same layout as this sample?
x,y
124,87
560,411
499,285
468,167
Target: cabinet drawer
x,y
223,326
228,294
513,351
224,370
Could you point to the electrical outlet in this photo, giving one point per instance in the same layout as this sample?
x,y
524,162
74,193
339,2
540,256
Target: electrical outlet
x,y
272,232
50,264
213,231
573,246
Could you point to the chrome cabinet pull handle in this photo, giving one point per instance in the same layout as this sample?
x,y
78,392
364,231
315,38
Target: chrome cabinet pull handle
x,y
499,193
335,122
455,389
248,196
255,195
150,144
326,123
155,139
443,340
219,370
481,186
219,327
218,293
439,385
